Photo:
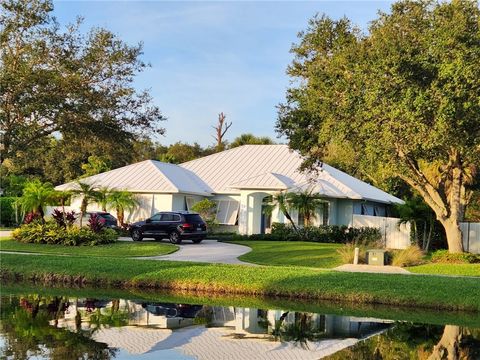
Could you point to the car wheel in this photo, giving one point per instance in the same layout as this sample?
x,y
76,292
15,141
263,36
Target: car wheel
x,y
197,241
137,235
175,237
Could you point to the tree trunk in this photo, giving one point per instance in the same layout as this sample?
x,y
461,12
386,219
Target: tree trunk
x,y
454,235
120,215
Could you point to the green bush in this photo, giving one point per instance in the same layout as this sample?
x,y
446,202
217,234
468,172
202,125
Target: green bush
x,y
50,233
7,211
325,234
443,256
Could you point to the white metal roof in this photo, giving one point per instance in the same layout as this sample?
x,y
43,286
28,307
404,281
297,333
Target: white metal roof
x,y
148,176
276,167
267,167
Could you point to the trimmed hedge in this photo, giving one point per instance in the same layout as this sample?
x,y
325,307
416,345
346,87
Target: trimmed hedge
x,y
324,234
7,211
51,233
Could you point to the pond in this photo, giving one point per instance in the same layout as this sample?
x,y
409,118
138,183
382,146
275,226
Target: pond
x,y
56,323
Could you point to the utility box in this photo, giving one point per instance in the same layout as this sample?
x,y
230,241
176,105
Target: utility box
x,y
377,257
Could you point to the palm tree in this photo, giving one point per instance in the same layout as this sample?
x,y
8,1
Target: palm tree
x,y
62,197
250,139
122,200
280,199
88,193
416,212
36,195
102,196
306,202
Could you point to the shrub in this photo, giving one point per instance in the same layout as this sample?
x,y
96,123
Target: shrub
x,y
31,217
347,253
366,236
7,211
51,233
410,256
96,223
443,256
64,219
207,208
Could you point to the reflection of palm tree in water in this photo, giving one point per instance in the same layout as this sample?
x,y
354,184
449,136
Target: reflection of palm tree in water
x,y
299,332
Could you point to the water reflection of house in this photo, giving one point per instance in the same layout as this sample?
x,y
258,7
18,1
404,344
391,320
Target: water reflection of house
x,y
258,321
226,332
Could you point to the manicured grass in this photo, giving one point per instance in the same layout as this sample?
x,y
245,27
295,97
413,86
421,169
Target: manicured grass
x,y
295,282
319,255
447,269
295,253
118,249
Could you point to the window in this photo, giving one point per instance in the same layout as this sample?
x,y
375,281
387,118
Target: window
x,y
176,217
227,212
156,217
189,201
364,210
167,217
376,211
190,218
325,213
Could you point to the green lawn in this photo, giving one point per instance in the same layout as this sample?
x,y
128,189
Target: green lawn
x,y
294,282
118,249
447,269
295,253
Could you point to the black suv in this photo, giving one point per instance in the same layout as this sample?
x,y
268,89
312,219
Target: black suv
x,y
176,225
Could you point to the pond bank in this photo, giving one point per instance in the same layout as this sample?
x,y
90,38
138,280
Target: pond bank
x,y
287,282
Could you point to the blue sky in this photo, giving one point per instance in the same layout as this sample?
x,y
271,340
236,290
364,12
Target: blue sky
x,y
209,57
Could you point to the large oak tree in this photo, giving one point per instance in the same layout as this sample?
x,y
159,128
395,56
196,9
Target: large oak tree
x,y
405,96
65,83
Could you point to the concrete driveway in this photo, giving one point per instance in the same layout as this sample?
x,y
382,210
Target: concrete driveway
x,y
209,251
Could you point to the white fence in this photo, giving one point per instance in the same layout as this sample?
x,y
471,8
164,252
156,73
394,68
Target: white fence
x,y
394,236
471,237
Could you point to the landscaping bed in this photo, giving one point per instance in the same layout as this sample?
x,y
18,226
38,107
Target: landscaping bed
x,y
290,282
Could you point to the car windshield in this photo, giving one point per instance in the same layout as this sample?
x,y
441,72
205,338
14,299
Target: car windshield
x,y
193,218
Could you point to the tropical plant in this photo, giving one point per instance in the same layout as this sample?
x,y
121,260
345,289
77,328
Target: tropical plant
x,y
306,203
36,195
250,139
96,223
102,196
280,200
207,209
422,219
64,219
88,193
404,95
122,200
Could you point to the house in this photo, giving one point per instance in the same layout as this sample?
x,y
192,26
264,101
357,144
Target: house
x,y
239,180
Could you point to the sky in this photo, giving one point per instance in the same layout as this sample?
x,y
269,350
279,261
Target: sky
x,y
212,57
